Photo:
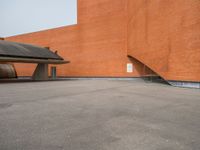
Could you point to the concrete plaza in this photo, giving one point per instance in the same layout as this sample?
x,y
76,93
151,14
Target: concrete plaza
x,y
98,115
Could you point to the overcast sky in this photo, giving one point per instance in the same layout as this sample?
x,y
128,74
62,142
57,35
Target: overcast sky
x,y
24,16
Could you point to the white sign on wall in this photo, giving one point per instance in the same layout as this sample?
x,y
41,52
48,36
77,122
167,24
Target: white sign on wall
x,y
129,67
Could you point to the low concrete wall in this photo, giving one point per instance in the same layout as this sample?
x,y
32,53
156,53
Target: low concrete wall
x,y
185,84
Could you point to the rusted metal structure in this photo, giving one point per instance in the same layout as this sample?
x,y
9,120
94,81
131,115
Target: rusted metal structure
x,y
25,53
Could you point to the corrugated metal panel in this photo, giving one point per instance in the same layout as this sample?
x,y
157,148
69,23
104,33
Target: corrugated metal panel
x,y
13,49
7,71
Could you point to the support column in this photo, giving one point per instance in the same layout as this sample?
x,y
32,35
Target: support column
x,y
41,72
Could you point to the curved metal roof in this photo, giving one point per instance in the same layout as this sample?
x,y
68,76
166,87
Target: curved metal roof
x,y
20,50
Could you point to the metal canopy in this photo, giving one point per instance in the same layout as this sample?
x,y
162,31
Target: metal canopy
x,y
19,52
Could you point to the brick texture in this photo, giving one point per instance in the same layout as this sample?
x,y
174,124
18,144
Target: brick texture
x,y
163,35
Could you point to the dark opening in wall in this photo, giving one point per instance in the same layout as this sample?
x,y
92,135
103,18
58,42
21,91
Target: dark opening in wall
x,y
145,72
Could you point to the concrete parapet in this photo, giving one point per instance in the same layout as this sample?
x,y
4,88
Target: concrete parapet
x,y
185,84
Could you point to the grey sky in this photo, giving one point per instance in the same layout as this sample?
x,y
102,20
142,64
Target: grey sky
x,y
24,16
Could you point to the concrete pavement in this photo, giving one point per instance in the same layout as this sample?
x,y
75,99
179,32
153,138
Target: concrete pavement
x,y
98,115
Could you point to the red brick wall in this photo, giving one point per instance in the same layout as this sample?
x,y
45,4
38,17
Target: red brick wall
x,y
165,35
162,34
97,46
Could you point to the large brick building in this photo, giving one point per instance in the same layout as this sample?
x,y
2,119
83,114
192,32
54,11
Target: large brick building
x,y
160,37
